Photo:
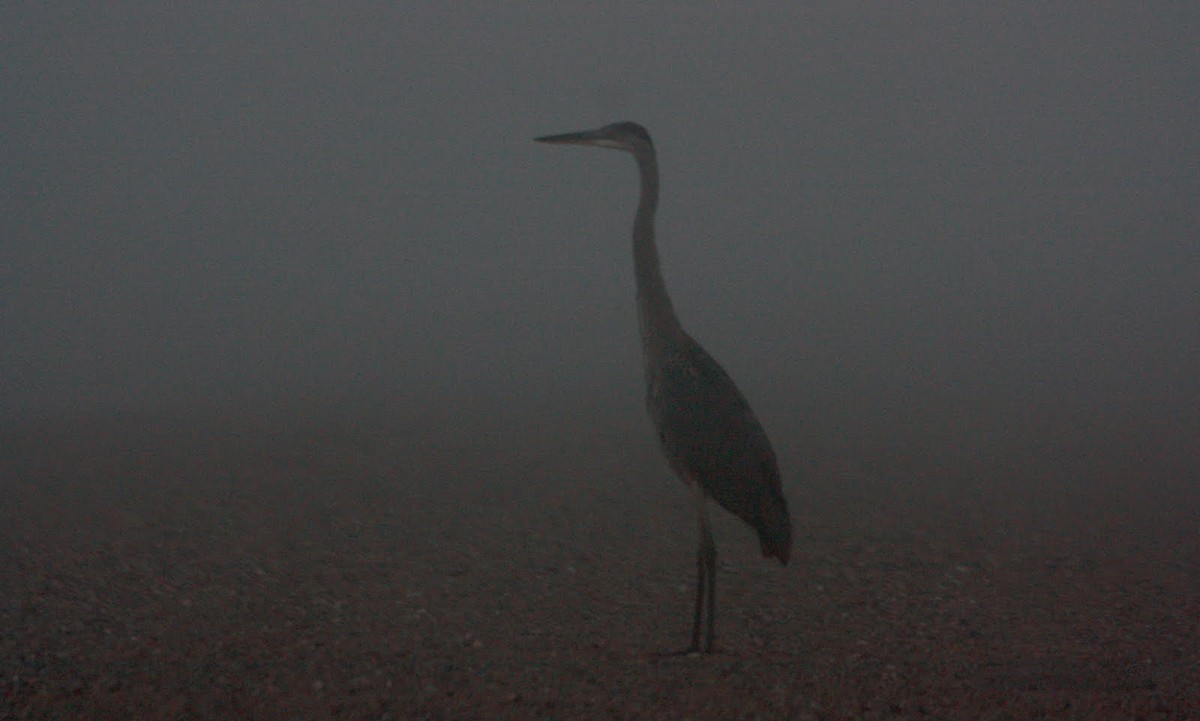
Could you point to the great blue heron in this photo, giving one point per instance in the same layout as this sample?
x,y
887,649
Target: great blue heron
x,y
710,435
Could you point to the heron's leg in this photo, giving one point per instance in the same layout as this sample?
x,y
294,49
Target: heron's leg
x,y
706,575
701,570
709,550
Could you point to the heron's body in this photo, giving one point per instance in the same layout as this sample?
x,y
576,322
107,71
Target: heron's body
x,y
711,437
709,434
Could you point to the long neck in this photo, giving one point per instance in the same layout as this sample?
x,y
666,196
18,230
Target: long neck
x,y
656,316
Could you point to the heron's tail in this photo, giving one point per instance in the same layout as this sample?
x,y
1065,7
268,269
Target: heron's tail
x,y
774,528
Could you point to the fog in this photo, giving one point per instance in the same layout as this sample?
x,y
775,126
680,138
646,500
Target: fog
x,y
935,232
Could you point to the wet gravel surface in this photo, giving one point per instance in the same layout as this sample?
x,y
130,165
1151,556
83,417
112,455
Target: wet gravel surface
x,y
369,569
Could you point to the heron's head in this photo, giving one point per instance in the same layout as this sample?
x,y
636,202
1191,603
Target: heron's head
x,y
626,136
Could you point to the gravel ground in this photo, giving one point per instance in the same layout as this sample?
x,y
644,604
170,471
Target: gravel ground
x,y
371,568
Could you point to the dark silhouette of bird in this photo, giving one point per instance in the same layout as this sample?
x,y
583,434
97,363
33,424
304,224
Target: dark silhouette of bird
x,y
710,436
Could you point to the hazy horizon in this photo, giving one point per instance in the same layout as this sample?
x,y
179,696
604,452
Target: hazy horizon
x,y
947,225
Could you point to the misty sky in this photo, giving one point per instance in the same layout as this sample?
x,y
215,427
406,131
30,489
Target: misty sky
x,y
974,210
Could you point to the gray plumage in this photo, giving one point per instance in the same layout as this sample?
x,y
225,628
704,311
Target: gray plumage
x,y
709,434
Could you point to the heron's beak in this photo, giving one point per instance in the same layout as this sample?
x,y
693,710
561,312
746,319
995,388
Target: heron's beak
x,y
584,137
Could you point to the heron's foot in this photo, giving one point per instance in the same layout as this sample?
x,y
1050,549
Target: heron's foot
x,y
692,650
